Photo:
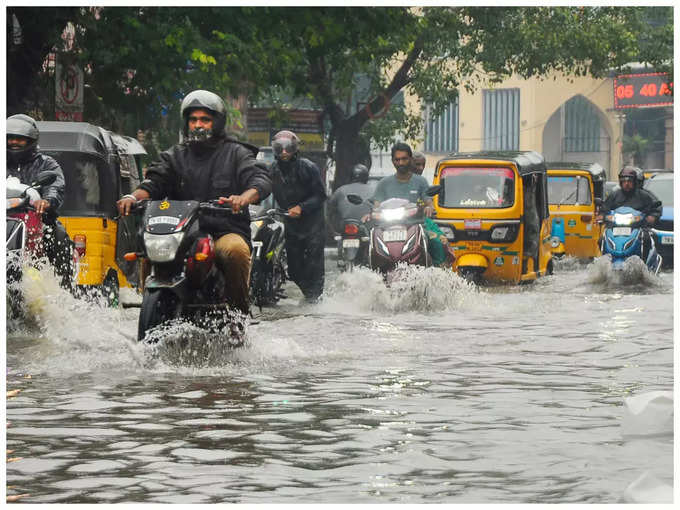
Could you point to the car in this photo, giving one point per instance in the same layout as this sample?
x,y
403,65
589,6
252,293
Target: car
x,y
661,185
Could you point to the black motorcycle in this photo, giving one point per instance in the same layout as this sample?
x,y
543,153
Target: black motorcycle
x,y
353,244
268,272
184,282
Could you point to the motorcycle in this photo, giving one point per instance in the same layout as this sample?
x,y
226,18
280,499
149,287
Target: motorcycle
x,y
184,282
623,238
24,235
353,244
397,235
268,270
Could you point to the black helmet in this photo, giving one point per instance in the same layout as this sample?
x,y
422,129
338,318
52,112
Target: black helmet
x,y
359,173
24,126
628,173
209,101
285,140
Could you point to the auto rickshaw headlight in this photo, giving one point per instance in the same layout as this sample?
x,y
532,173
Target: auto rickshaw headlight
x,y
162,248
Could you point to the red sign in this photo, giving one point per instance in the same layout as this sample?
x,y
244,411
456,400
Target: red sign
x,y
642,90
69,116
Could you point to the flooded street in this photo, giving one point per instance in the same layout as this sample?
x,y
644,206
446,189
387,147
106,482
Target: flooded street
x,y
432,391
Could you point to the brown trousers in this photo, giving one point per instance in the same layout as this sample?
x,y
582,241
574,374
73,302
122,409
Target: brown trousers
x,y
233,259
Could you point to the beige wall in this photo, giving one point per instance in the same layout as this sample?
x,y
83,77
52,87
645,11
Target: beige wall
x,y
539,100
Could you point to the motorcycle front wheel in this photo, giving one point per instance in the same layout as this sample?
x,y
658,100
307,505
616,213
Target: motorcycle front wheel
x,y
158,306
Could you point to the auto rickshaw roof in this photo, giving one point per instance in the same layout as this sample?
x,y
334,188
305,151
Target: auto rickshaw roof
x,y
527,162
595,169
73,137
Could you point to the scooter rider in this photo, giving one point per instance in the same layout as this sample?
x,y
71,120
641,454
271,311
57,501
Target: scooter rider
x,y
25,161
208,165
297,187
631,194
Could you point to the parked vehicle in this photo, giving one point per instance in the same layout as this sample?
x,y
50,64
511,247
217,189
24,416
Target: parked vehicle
x,y
24,235
185,282
91,162
662,185
575,192
493,209
622,239
268,270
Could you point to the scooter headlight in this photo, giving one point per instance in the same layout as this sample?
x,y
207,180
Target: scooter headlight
x,y
393,214
162,248
624,219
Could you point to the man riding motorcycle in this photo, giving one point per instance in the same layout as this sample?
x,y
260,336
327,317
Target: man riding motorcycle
x,y
340,209
210,165
631,194
25,161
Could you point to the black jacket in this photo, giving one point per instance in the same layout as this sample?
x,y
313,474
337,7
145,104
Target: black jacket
x,y
227,168
640,199
298,182
340,208
27,172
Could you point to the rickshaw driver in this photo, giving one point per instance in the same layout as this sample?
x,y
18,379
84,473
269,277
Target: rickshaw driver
x,y
210,165
25,161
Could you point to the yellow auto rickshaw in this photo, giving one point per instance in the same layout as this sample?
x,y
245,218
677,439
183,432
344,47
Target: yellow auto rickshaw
x,y
93,164
493,209
575,191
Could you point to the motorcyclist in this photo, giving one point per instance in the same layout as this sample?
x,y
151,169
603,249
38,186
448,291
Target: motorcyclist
x,y
631,194
340,209
297,187
206,165
25,162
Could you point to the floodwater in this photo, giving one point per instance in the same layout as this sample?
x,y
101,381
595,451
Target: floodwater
x,y
431,391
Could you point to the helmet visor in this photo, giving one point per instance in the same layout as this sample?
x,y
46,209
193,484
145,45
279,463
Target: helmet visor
x,y
284,144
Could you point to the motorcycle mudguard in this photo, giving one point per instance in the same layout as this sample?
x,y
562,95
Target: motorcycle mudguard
x,y
472,260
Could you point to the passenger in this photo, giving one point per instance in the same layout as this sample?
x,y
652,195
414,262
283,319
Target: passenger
x,y
297,187
631,194
25,162
418,163
207,165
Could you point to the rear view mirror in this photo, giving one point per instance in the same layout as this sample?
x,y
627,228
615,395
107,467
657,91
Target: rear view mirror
x,y
44,178
355,199
433,190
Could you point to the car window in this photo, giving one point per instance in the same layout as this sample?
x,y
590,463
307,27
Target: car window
x,y
662,188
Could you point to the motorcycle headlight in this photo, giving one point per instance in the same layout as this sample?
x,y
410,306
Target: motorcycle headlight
x,y
393,214
624,219
162,248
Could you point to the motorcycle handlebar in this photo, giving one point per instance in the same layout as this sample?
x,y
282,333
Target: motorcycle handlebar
x,y
271,213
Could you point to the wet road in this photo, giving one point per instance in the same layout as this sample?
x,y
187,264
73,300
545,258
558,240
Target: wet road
x,y
431,391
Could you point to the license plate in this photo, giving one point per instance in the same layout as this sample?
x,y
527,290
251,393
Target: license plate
x,y
394,235
667,240
350,243
621,231
473,224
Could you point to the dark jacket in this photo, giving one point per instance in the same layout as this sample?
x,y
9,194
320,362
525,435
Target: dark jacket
x,y
27,172
298,182
640,199
227,168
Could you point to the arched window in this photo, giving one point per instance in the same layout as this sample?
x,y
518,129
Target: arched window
x,y
581,126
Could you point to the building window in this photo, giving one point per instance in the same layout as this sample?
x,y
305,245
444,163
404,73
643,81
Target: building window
x,y
501,119
441,131
581,126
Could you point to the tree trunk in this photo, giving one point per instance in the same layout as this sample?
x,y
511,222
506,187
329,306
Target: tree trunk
x,y
350,149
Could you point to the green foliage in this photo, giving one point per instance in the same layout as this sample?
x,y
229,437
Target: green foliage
x,y
637,146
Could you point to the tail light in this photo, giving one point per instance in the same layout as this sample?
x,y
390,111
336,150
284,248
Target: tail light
x,y
80,242
351,229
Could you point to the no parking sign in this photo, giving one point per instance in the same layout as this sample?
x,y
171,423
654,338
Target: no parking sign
x,y
69,92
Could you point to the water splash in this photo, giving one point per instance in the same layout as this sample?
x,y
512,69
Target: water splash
x,y
411,288
634,273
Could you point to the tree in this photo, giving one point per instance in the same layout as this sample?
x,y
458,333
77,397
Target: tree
x,y
434,51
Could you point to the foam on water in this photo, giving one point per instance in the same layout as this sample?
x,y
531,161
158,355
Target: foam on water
x,y
633,273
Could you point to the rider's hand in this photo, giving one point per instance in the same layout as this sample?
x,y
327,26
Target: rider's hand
x,y
599,218
237,202
365,218
650,220
125,205
295,212
428,210
41,206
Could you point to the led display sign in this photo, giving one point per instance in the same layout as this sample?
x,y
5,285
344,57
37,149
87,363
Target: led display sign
x,y
642,90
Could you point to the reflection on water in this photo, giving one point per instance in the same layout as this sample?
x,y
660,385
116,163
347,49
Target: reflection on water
x,y
426,391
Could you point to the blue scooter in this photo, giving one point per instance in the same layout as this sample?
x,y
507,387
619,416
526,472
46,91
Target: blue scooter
x,y
623,237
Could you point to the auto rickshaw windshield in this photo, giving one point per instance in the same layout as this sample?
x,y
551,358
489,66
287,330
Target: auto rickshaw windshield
x,y
90,187
569,190
477,187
